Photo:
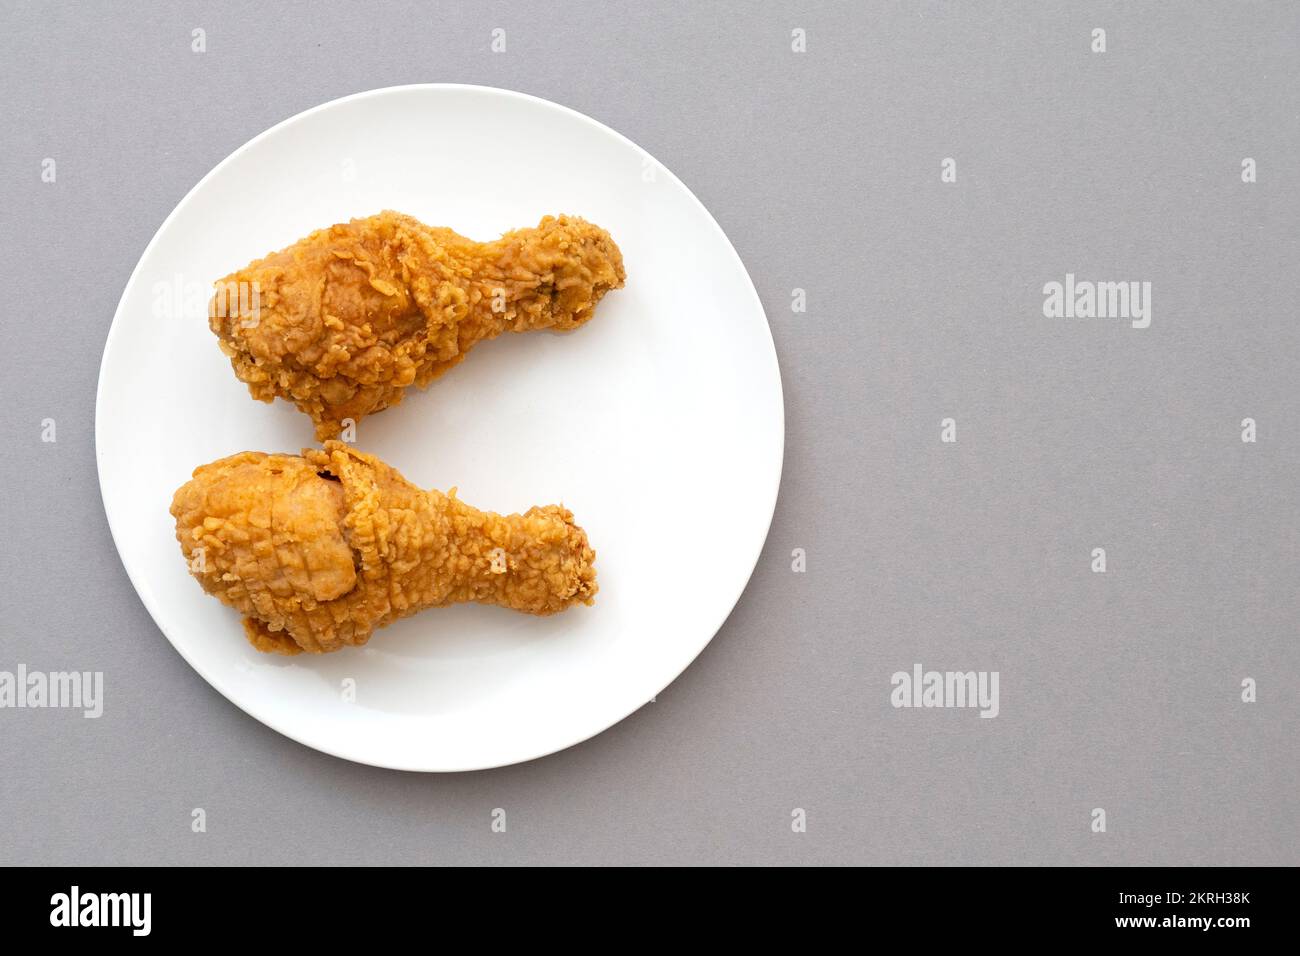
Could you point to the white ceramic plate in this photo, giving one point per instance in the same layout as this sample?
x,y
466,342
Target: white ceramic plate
x,y
659,423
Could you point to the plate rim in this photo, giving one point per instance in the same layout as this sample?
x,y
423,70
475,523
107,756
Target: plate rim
x,y
135,574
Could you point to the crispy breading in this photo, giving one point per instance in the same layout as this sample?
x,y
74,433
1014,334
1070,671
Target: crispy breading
x,y
320,550
343,321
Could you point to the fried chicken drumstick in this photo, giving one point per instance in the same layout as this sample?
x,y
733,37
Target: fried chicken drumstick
x,y
320,550
341,322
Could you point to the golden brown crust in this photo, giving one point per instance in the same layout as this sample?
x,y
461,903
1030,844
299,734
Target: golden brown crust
x,y
320,550
346,319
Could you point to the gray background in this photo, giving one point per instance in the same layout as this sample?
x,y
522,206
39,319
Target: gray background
x,y
1118,690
